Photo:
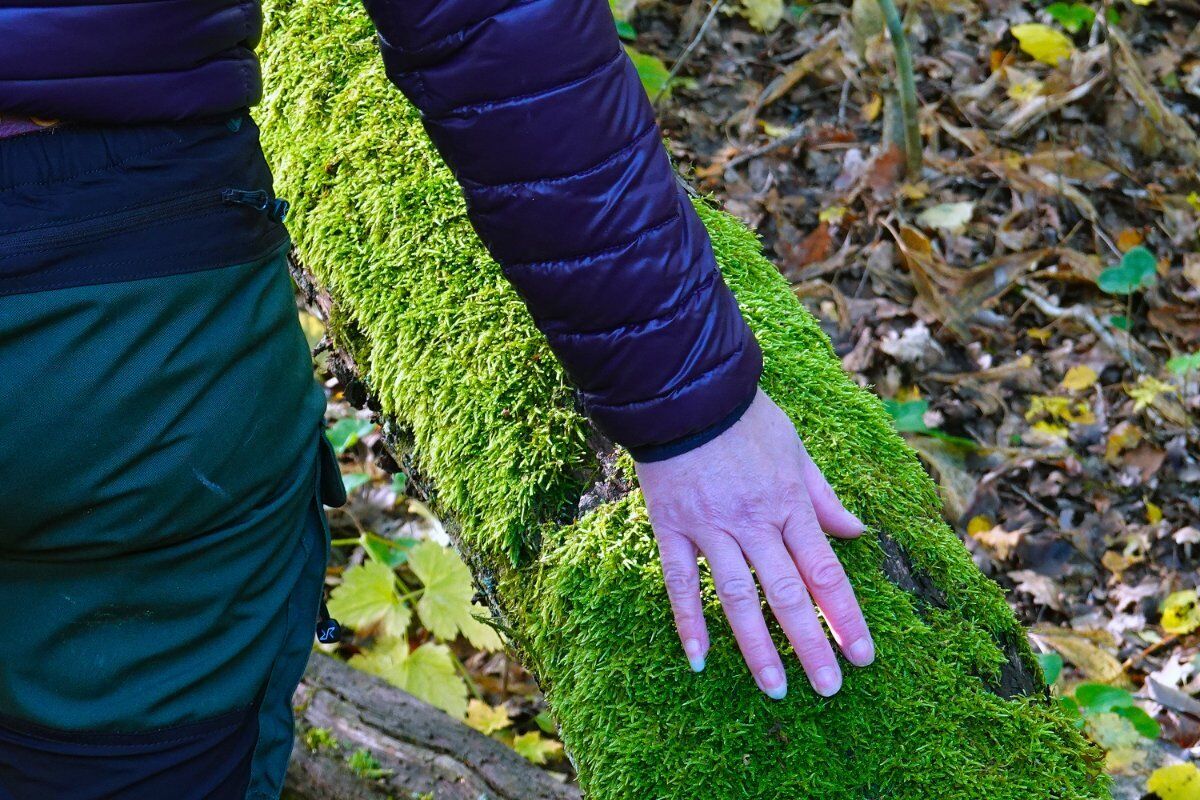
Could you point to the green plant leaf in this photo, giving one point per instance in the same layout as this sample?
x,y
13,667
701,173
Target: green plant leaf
x,y
392,552
536,747
652,71
445,605
363,764
1145,724
367,601
480,634
1137,270
909,416
626,31
1072,16
354,480
427,673
545,721
1181,365
1095,698
1052,664
345,433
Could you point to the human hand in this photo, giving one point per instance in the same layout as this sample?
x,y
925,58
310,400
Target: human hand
x,y
754,495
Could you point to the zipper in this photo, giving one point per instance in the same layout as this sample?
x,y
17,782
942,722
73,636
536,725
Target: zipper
x,y
78,232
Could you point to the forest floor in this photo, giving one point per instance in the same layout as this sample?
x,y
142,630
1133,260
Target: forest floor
x,y
1028,304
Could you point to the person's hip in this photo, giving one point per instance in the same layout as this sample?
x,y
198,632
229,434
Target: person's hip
x,y
158,441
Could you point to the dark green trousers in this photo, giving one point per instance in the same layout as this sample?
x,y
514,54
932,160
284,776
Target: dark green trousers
x,y
162,538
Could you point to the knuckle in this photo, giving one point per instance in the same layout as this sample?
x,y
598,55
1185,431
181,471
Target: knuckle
x,y
688,620
668,516
826,574
793,491
812,649
738,594
680,581
760,656
786,594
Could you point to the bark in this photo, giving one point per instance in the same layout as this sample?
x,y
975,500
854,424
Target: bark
x,y
424,752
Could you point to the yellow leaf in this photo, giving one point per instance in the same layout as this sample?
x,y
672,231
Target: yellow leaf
x,y
1176,782
1026,90
487,719
1154,514
775,131
870,111
1079,378
367,601
1041,334
947,216
1000,541
536,747
446,598
832,214
1044,43
1181,612
1051,430
1122,437
1147,390
1143,2
763,14
1194,200
979,525
1063,409
427,672
1117,563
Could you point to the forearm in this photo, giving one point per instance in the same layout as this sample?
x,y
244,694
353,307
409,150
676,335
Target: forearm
x,y
544,122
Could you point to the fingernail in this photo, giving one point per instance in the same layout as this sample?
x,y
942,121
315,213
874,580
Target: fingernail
x,y
773,684
861,653
827,681
695,654
856,524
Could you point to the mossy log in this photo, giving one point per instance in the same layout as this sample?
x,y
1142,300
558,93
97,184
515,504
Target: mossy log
x,y
549,517
420,752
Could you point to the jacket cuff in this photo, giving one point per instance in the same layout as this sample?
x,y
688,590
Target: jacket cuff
x,y
662,452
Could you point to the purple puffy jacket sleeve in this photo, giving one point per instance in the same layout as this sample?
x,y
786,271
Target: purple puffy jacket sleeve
x,y
543,120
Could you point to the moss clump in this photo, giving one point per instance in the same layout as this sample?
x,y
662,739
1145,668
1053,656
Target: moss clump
x,y
450,352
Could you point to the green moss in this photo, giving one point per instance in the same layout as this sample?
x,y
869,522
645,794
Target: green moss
x,y
450,352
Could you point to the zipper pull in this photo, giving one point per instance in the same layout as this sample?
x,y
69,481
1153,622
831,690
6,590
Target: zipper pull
x,y
258,200
275,208
329,630
279,210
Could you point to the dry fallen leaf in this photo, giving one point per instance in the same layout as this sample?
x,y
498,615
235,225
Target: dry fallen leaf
x,y
1081,648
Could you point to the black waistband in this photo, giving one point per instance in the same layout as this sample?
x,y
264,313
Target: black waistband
x,y
88,205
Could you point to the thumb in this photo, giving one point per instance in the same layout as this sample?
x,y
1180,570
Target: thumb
x,y
833,517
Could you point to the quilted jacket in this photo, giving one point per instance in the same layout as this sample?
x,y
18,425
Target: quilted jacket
x,y
544,122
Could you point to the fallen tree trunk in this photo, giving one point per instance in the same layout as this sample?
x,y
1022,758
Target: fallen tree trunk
x,y
549,518
419,750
